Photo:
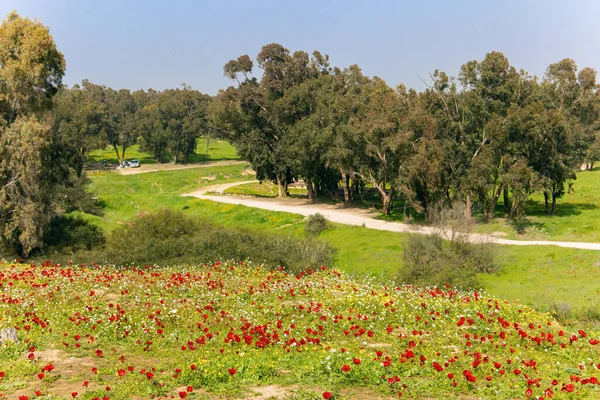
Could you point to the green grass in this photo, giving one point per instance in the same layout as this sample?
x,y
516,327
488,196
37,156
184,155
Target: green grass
x,y
535,275
263,189
577,216
543,276
218,150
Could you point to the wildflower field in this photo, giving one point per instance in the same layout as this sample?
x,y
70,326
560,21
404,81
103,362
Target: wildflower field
x,y
228,329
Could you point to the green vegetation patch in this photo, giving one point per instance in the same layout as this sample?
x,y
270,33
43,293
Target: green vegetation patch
x,y
204,331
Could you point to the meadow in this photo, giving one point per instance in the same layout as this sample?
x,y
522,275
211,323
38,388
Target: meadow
x,y
526,275
241,330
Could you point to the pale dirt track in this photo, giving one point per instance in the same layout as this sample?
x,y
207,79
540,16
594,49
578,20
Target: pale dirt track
x,y
357,217
144,168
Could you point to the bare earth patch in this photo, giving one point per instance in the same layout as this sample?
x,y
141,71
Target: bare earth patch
x,y
271,392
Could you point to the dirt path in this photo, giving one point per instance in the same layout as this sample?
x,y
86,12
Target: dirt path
x,y
168,167
219,188
357,217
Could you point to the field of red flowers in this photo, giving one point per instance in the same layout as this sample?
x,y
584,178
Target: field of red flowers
x,y
91,332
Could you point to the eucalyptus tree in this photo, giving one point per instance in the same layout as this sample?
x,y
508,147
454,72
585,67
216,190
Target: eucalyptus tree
x,y
567,125
77,118
31,171
262,136
386,137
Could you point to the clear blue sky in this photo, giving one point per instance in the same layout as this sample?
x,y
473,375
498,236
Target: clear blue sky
x,y
160,44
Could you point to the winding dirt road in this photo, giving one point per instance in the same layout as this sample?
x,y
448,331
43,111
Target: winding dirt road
x,y
357,217
144,168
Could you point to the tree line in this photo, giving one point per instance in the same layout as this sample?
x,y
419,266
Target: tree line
x,y
47,131
493,131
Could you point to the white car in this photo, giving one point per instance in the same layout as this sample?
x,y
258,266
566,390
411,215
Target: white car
x,y
134,164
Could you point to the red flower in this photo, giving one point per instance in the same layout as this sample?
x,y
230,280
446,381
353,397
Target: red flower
x,y
356,361
193,367
232,371
99,353
40,376
327,395
73,394
121,372
346,368
182,394
528,392
569,388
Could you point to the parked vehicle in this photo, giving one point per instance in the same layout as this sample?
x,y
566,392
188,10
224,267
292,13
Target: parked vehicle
x,y
134,164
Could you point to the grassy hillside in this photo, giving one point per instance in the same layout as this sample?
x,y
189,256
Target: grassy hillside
x,y
230,330
217,150
540,276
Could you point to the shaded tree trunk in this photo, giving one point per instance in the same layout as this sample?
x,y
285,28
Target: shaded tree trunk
x,y
122,160
468,206
554,197
310,189
546,205
345,186
494,202
386,198
506,200
117,152
281,187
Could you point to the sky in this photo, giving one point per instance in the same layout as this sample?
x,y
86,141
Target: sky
x,y
162,44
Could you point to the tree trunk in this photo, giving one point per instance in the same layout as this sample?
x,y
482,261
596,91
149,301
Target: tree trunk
x,y
468,206
554,197
506,201
345,186
546,206
281,188
207,143
494,202
386,198
309,189
592,165
117,151
123,154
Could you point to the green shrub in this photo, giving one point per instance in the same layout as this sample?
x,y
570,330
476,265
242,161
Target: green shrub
x,y
68,234
169,237
315,224
431,261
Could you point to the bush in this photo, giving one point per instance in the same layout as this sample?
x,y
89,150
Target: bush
x,y
68,234
169,238
315,224
431,261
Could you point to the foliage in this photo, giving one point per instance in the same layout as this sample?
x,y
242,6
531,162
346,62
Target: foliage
x,y
68,234
31,68
451,256
429,261
315,224
169,237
